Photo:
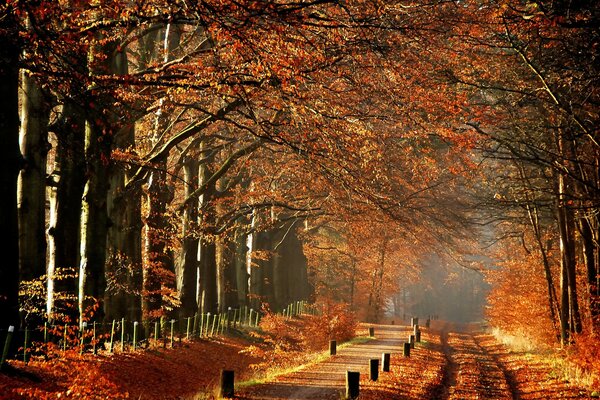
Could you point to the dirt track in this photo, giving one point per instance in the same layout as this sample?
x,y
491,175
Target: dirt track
x,y
453,362
326,380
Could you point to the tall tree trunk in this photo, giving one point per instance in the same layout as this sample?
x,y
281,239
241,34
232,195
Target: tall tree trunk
x,y
159,268
241,266
35,113
124,259
11,161
65,210
207,280
187,269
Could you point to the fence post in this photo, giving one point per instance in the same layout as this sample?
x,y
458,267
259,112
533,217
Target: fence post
x,y
406,349
65,338
83,326
135,329
112,336
94,349
7,341
207,323
352,384
414,321
332,347
418,336
411,340
172,331
227,384
371,331
385,362
122,335
374,369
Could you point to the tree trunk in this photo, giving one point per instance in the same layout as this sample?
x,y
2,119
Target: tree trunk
x,y
241,267
11,161
65,210
35,113
187,271
158,271
207,280
124,261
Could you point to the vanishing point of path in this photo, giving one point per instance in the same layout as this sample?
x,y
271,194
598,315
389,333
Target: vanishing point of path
x,y
454,361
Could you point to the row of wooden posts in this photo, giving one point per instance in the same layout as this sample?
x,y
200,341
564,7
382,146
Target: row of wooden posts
x,y
352,377
89,336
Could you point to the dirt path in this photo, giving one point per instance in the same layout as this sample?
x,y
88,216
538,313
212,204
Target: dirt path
x,y
454,361
471,371
326,380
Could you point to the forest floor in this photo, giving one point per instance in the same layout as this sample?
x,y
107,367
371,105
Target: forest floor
x,y
451,362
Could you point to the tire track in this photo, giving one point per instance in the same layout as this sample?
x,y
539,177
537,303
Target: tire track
x,y
471,372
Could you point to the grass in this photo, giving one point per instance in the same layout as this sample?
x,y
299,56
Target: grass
x,y
560,367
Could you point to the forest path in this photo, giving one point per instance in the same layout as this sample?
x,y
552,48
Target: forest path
x,y
454,361
471,371
326,380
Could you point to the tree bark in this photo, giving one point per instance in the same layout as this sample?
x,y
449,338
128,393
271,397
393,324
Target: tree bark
x,y
187,271
65,210
35,113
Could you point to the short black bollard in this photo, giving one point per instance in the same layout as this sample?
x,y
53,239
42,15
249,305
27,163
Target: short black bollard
x,y
374,369
352,384
332,347
411,340
371,331
418,336
406,352
385,362
227,383
415,329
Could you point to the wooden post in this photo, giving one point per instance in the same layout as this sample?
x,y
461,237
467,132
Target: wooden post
x,y
64,338
414,321
172,331
374,369
411,340
385,362
25,345
371,331
352,384
112,336
122,335
332,347
9,336
135,329
94,349
406,352
207,323
83,326
418,336
427,323
415,329
227,383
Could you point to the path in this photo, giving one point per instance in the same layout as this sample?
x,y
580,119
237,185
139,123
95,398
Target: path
x,y
326,380
471,372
